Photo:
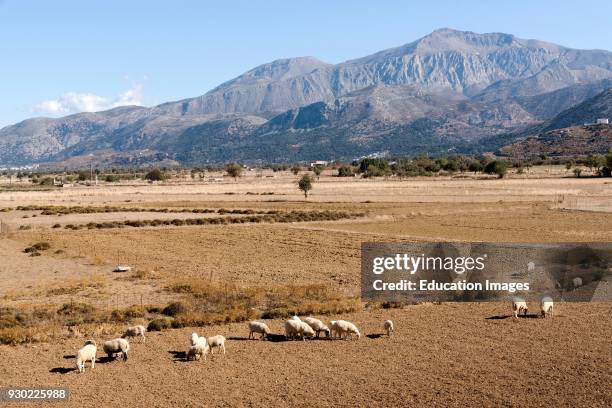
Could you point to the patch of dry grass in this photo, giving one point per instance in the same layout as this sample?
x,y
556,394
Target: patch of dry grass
x,y
210,303
201,304
74,286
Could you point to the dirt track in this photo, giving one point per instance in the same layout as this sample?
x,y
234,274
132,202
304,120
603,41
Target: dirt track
x,y
440,355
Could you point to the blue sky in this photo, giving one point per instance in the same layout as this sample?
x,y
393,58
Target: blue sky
x,y
63,56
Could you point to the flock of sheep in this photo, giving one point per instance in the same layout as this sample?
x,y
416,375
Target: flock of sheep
x,y
295,328
519,305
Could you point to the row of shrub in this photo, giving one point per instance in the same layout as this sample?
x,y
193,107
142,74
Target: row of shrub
x,y
277,216
422,166
63,210
429,166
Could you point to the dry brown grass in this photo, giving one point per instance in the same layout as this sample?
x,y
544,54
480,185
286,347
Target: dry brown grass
x,y
74,286
202,304
210,303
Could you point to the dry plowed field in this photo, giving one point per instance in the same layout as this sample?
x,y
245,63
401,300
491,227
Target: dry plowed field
x,y
451,354
440,355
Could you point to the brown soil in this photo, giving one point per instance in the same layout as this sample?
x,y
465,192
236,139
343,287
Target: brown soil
x,y
440,355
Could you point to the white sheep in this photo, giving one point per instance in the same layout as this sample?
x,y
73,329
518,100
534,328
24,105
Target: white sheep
x,y
197,351
389,327
547,306
216,341
577,281
194,339
299,329
86,353
199,347
519,305
200,341
258,327
342,327
317,326
117,346
136,331
296,318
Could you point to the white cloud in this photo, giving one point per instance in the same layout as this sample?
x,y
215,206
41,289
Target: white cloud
x,y
73,102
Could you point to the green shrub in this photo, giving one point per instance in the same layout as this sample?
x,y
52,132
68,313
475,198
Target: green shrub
x,y
346,171
159,324
155,175
276,313
496,167
174,309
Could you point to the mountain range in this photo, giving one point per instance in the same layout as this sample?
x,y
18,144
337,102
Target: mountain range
x,y
450,91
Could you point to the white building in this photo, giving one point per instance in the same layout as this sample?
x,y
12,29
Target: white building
x,y
319,163
603,121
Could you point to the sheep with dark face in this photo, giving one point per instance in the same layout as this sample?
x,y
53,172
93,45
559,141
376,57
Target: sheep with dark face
x,y
86,353
117,347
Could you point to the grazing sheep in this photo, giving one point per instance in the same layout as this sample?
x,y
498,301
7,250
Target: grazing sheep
x,y
197,351
292,327
547,306
216,341
332,331
317,326
136,331
86,353
117,346
299,329
577,281
258,327
342,327
519,305
199,347
389,327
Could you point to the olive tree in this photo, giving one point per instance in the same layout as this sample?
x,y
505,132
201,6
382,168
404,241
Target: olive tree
x,y
305,184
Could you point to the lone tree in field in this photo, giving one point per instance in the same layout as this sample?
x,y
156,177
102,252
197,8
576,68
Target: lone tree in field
x,y
305,184
317,170
234,170
154,175
296,169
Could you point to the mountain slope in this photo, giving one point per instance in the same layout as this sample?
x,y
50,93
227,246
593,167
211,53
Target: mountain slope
x,y
456,88
599,106
446,59
571,141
